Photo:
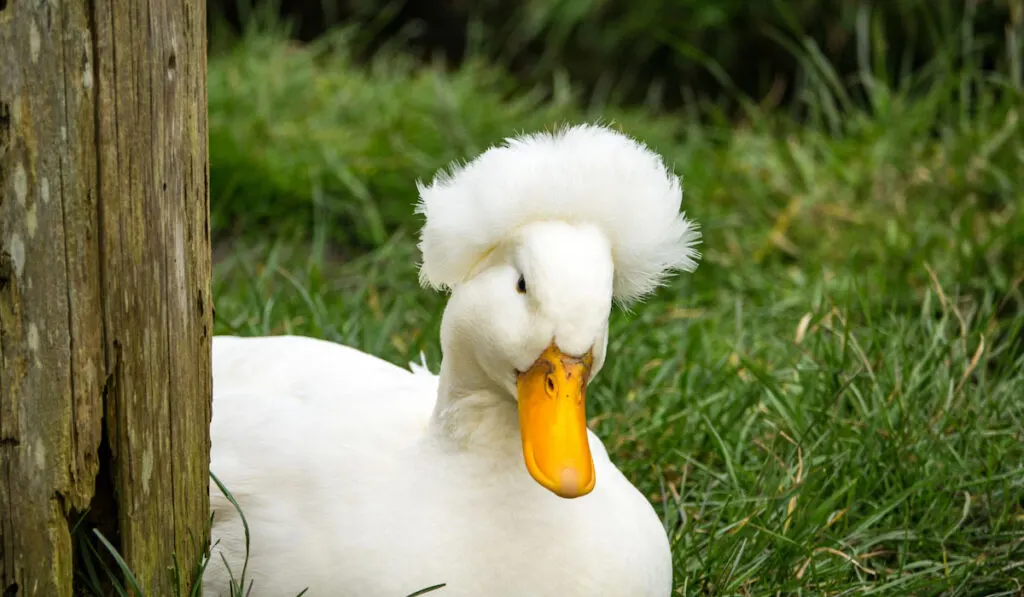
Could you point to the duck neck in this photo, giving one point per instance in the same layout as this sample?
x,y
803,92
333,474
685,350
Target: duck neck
x,y
473,413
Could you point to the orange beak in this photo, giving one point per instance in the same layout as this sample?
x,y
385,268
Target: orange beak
x,y
553,422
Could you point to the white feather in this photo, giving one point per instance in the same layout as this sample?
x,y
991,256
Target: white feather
x,y
581,174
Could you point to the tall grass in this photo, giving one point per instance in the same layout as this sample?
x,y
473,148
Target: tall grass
x,y
667,50
830,405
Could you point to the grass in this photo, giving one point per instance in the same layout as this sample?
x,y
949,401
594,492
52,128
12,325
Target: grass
x,y
101,569
832,404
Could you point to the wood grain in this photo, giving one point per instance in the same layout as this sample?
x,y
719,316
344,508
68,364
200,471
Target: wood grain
x,y
105,310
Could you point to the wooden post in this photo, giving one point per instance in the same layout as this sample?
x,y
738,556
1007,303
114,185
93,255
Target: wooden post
x,y
105,308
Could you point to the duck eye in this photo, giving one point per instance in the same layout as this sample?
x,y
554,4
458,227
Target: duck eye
x,y
521,285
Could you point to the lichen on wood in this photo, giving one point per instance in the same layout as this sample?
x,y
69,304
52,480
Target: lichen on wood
x,y
105,309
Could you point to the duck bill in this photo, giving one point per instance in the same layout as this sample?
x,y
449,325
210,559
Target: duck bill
x,y
553,422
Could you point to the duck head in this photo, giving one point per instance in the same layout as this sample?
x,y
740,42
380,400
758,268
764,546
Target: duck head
x,y
535,320
536,240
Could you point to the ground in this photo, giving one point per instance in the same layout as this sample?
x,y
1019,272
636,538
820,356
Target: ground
x,y
833,403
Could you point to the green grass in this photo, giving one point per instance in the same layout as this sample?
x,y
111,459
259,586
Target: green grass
x,y
832,404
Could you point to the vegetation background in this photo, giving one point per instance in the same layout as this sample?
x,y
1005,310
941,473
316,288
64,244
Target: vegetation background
x,y
833,403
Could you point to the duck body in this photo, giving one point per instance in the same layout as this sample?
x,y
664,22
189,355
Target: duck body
x,y
356,493
358,477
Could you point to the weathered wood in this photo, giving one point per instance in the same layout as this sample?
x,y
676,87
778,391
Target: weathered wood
x,y
105,309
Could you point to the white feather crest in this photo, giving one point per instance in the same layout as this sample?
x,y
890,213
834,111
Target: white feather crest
x,y
585,173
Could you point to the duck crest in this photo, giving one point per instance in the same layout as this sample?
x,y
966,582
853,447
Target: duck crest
x,y
580,174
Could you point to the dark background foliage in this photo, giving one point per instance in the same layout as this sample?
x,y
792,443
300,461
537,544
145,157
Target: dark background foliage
x,y
665,51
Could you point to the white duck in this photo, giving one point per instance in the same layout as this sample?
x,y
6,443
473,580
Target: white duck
x,y
360,478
